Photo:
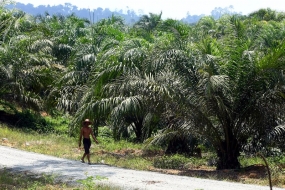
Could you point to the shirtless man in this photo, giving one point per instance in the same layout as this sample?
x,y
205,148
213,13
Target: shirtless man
x,y
85,132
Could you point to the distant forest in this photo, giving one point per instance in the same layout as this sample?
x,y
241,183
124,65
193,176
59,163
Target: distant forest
x,y
130,16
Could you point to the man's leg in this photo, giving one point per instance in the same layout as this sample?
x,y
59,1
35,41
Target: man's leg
x,y
88,158
86,149
88,154
87,145
82,159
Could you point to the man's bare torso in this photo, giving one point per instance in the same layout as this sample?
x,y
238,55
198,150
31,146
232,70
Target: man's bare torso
x,y
86,131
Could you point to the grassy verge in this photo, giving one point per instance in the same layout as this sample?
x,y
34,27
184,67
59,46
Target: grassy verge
x,y
9,180
135,156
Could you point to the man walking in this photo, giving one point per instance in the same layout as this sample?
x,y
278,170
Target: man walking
x,y
85,132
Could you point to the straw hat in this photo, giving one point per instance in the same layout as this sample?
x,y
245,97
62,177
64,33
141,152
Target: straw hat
x,y
87,121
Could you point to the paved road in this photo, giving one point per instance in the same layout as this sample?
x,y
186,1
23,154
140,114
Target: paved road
x,y
70,171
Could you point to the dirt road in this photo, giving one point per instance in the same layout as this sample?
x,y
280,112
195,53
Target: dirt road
x,y
70,171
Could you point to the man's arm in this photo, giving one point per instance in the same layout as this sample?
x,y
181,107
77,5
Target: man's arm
x,y
94,136
80,138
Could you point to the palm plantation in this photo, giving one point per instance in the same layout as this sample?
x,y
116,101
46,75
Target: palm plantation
x,y
159,81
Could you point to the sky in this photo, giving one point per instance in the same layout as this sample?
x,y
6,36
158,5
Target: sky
x,y
176,9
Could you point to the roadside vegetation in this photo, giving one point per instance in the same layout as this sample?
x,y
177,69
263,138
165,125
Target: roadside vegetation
x,y
10,180
131,155
201,100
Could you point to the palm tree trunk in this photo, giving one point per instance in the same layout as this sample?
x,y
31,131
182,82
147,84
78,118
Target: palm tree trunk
x,y
228,154
137,126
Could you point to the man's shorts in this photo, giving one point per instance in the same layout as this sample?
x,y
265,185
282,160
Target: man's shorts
x,y
87,145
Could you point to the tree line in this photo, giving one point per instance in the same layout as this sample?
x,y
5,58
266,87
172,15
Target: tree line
x,y
130,16
164,82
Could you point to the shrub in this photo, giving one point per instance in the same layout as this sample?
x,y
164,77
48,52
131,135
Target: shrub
x,y
170,162
59,124
30,121
105,132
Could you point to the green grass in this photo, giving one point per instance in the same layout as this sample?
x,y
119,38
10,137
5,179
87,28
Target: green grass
x,y
10,180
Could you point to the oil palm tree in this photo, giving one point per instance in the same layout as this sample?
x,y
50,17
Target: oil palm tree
x,y
226,92
87,59
103,98
25,62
